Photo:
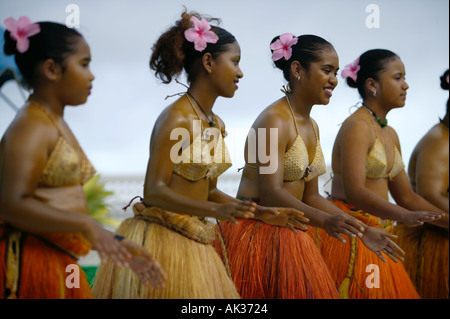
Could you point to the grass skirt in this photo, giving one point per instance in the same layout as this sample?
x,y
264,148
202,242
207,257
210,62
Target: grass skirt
x,y
349,263
37,270
426,258
271,262
182,245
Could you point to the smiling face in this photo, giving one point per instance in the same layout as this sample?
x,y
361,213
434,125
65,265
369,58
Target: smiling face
x,y
392,84
227,71
321,78
76,81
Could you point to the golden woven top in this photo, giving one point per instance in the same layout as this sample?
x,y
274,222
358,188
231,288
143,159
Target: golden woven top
x,y
66,166
376,161
296,159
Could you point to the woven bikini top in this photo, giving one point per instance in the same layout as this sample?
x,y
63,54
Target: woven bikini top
x,y
376,161
66,165
296,159
196,160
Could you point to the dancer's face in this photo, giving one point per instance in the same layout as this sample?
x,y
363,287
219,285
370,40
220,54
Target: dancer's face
x,y
392,84
76,81
227,71
321,78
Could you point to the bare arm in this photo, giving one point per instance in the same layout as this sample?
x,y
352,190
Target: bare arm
x,y
404,195
157,189
274,194
25,149
432,171
354,143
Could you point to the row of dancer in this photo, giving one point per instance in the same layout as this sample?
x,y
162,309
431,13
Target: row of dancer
x,y
267,256
271,252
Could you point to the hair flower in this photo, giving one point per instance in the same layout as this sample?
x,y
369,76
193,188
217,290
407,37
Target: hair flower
x,y
351,70
21,30
283,46
200,34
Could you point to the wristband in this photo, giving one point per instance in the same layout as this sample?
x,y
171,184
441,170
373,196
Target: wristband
x,y
118,237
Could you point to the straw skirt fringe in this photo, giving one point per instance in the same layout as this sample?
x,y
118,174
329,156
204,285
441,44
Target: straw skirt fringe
x,y
352,265
270,262
426,261
194,269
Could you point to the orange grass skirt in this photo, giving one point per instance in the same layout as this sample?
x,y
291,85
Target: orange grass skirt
x,y
42,271
426,259
271,262
394,282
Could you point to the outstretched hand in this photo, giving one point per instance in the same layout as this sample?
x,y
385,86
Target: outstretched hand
x,y
380,241
417,218
282,216
336,225
144,265
232,210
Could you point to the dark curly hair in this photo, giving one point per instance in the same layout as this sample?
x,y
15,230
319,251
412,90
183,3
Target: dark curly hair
x,y
172,52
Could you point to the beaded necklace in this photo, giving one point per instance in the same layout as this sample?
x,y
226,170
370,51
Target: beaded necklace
x,y
381,122
212,123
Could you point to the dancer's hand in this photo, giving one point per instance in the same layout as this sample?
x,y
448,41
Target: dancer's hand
x,y
144,265
417,218
102,240
282,216
231,210
380,241
335,225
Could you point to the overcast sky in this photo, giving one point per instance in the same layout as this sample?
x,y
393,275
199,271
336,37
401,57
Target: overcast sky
x,y
114,126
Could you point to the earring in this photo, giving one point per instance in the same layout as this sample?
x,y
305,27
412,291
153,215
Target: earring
x,y
298,79
375,93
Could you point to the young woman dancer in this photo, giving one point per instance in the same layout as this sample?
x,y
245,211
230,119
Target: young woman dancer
x,y
367,165
44,221
426,246
180,186
269,261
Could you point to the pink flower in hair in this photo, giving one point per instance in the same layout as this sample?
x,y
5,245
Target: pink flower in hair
x,y
283,46
21,30
200,34
351,70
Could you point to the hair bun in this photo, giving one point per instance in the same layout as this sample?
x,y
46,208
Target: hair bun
x,y
444,80
10,46
351,83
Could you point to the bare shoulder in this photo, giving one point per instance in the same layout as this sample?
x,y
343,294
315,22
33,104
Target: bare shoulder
x,y
33,125
436,138
177,114
276,115
356,125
